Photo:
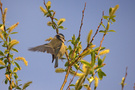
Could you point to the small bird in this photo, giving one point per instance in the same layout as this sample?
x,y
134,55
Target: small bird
x,y
56,47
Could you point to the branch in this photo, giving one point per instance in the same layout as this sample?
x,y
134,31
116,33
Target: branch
x,y
67,73
72,78
65,80
57,31
124,79
82,20
95,32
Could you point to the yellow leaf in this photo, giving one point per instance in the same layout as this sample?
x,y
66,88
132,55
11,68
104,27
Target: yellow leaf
x,y
1,36
49,23
12,43
104,52
86,52
4,15
89,37
96,81
2,28
61,21
84,68
92,46
22,59
50,38
108,25
13,27
1,62
48,4
43,10
90,79
7,76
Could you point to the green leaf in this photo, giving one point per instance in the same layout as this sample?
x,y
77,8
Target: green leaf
x,y
14,32
89,37
101,74
17,65
111,31
14,49
110,10
72,84
2,67
105,17
86,63
102,31
96,49
103,25
77,40
73,39
6,81
99,62
1,53
69,48
79,83
93,59
26,85
15,76
59,70
113,20
104,58
61,27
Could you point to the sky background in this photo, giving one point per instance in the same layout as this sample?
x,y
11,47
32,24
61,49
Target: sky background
x,y
33,31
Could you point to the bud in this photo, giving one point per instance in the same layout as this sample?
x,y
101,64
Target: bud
x,y
13,27
96,82
104,52
22,59
43,10
61,21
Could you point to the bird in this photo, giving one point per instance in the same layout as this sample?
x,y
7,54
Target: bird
x,y
56,47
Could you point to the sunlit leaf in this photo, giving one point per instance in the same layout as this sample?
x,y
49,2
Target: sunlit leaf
x,y
104,52
59,70
105,17
1,53
101,74
26,85
86,63
13,49
12,27
89,37
111,31
2,63
48,4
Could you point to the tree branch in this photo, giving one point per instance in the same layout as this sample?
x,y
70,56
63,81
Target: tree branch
x,y
82,20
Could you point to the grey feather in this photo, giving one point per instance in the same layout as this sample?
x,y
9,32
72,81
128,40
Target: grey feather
x,y
56,62
43,48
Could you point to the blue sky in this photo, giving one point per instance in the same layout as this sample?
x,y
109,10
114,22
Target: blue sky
x,y
33,31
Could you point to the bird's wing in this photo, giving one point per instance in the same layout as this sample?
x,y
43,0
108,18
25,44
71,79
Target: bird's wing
x,y
58,49
43,48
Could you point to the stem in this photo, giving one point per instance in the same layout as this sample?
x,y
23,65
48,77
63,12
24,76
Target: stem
x,y
65,80
8,58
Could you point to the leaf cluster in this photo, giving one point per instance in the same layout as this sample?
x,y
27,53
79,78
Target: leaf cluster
x,y
55,23
7,55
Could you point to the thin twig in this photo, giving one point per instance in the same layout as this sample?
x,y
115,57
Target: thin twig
x,y
65,79
67,73
124,79
73,78
82,20
95,32
134,86
57,31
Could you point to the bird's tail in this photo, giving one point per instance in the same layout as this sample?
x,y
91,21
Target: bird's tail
x,y
56,62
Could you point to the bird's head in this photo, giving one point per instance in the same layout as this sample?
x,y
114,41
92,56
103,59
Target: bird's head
x,y
60,37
